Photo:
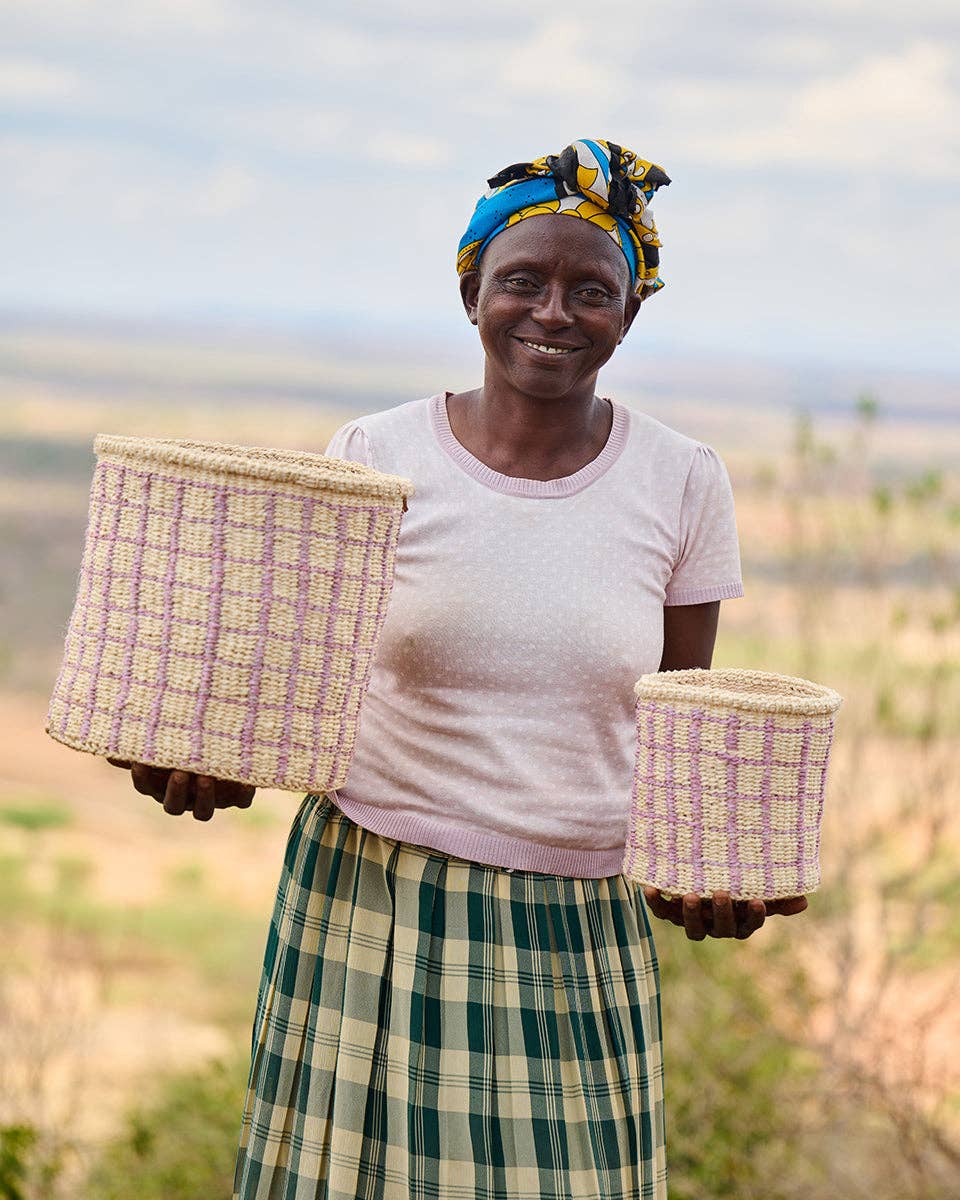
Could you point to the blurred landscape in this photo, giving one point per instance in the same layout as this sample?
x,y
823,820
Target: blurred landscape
x,y
819,1059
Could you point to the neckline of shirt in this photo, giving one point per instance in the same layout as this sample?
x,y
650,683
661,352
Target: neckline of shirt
x,y
511,485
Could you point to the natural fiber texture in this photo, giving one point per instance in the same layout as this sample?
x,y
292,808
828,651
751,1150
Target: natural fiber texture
x,y
729,782
229,604
255,462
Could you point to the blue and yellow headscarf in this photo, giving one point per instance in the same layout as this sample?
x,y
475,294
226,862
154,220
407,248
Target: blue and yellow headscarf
x,y
597,180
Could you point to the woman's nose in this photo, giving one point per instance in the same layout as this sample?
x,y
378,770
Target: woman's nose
x,y
551,309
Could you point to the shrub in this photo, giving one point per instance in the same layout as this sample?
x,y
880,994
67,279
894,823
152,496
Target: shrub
x,y
180,1146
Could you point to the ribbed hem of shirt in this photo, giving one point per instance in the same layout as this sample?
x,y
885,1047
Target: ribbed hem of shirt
x,y
566,485
700,595
512,854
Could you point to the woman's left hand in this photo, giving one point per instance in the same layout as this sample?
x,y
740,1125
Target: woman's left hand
x,y
721,916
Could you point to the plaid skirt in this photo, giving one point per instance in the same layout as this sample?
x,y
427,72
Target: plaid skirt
x,y
431,1027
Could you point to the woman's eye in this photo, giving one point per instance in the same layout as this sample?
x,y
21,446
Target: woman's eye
x,y
593,293
520,282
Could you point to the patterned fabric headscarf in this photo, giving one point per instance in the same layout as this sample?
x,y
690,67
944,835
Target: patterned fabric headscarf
x,y
597,180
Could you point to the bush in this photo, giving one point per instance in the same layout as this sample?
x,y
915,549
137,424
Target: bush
x,y
182,1145
732,1079
28,1166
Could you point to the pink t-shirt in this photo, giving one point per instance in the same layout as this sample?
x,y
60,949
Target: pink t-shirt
x,y
498,725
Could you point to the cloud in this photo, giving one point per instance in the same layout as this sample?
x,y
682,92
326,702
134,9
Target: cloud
x,y
561,52
224,189
38,171
893,112
228,187
145,18
292,127
408,150
131,187
26,80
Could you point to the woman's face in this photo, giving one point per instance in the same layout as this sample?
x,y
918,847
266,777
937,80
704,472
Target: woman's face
x,y
552,301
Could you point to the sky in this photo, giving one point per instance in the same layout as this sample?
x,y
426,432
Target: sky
x,y
297,163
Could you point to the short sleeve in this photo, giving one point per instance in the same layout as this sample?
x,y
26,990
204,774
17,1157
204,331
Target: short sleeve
x,y
351,443
708,562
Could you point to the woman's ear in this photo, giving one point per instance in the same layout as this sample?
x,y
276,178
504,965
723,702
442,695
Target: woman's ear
x,y
469,294
630,310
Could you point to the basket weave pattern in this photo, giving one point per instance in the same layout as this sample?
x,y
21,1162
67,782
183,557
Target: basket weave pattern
x,y
228,606
729,782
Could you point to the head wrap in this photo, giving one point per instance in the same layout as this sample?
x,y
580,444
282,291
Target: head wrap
x,y
597,180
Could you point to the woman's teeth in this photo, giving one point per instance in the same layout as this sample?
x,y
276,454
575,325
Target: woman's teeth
x,y
545,349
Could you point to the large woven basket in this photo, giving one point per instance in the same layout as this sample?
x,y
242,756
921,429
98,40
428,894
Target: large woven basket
x,y
229,604
729,782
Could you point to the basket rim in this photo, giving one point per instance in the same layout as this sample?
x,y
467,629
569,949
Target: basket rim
x,y
706,685
273,464
227,772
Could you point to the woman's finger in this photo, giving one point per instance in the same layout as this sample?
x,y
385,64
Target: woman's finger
x,y
205,798
141,778
787,907
724,922
693,917
234,795
665,910
655,901
245,798
148,780
751,920
177,798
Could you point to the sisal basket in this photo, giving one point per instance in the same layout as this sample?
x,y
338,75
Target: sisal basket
x,y
729,782
229,604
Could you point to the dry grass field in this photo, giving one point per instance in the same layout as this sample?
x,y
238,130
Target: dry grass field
x,y
821,1058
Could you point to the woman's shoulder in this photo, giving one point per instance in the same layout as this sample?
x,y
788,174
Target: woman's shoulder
x,y
679,467
653,427
398,416
653,438
371,437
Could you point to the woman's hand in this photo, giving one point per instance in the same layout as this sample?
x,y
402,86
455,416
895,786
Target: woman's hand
x,y
183,791
721,916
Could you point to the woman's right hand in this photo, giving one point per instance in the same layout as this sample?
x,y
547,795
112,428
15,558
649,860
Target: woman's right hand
x,y
183,791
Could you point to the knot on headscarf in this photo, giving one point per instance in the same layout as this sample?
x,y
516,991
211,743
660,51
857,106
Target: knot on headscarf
x,y
598,181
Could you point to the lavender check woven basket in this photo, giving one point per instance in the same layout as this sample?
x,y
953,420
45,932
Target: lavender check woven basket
x,y
729,782
229,604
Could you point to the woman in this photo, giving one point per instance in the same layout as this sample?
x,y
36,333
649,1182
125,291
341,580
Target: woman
x,y
460,995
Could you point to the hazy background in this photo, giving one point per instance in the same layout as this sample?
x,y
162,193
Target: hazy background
x,y
238,221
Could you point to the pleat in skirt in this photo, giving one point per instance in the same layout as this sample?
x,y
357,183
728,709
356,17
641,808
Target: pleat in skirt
x,y
430,1028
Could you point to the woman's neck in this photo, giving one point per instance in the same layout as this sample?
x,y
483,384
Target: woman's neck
x,y
530,438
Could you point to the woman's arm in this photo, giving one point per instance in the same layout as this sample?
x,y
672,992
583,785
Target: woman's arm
x,y
689,634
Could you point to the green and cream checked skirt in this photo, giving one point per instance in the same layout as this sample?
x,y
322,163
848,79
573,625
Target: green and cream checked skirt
x,y
429,1028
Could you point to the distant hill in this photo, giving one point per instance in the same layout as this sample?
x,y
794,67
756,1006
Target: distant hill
x,y
362,370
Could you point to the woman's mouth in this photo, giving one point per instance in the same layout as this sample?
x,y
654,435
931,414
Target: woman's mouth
x,y
545,348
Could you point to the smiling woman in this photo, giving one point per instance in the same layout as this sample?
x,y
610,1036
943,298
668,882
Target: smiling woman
x,y
460,994
550,311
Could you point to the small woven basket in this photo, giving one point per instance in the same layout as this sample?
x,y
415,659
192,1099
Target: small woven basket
x,y
729,782
229,604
